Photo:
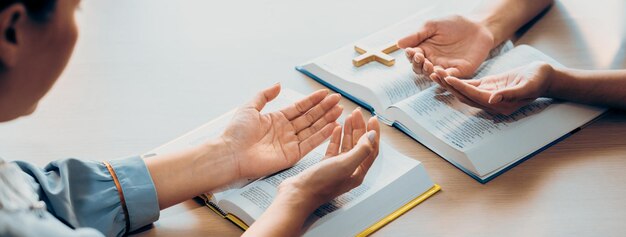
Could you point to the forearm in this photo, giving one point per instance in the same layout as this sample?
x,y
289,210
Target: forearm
x,y
596,87
285,216
180,176
503,18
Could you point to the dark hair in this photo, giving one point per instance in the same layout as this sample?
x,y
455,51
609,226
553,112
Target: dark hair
x,y
39,10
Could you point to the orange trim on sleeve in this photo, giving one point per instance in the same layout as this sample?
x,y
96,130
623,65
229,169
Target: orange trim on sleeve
x,y
121,194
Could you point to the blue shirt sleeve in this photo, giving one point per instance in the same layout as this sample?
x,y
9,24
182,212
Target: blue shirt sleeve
x,y
27,223
85,193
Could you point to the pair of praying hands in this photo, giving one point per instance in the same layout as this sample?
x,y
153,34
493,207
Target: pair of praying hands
x,y
450,49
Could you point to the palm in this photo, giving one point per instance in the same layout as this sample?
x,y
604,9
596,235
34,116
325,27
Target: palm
x,y
268,139
501,82
458,43
530,80
504,93
265,143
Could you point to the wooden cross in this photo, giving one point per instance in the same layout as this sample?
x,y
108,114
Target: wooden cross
x,y
368,55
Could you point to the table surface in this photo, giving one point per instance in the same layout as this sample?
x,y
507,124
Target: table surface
x,y
147,71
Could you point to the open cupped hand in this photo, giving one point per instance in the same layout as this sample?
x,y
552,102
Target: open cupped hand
x,y
264,143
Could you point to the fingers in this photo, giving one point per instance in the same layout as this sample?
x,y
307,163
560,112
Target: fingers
x,y
373,136
418,60
459,95
418,37
318,111
335,143
427,67
452,71
293,111
316,139
510,94
330,117
364,147
438,75
473,82
335,174
479,98
355,163
261,98
346,143
372,125
409,53
470,91
358,125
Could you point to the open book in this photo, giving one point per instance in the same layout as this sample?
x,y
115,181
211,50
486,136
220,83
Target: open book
x,y
394,184
481,144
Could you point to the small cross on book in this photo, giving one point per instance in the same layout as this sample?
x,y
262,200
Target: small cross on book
x,y
368,55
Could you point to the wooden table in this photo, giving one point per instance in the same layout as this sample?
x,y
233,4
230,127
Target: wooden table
x,y
146,71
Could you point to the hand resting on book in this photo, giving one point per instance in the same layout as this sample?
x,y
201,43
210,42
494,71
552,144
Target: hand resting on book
x,y
504,93
343,168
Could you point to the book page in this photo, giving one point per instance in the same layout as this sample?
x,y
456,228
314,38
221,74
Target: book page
x,y
308,161
492,141
257,196
392,182
463,126
460,125
251,201
374,83
388,84
386,181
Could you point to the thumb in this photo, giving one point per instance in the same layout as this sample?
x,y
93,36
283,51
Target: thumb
x,y
455,72
362,150
264,96
510,94
416,38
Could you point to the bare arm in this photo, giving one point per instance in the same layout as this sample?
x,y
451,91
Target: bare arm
x,y
505,93
597,87
253,145
183,175
284,217
504,18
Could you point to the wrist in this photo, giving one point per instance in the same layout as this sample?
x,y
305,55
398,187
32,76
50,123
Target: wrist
x,y
297,198
181,175
491,28
556,77
217,156
228,152
289,210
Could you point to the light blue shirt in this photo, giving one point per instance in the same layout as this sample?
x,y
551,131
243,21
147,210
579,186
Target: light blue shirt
x,y
81,199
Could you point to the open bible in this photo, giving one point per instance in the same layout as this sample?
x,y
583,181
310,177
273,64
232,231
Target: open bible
x,y
479,143
394,184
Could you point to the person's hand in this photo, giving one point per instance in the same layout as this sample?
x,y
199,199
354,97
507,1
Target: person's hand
x,y
457,44
261,144
343,168
505,93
